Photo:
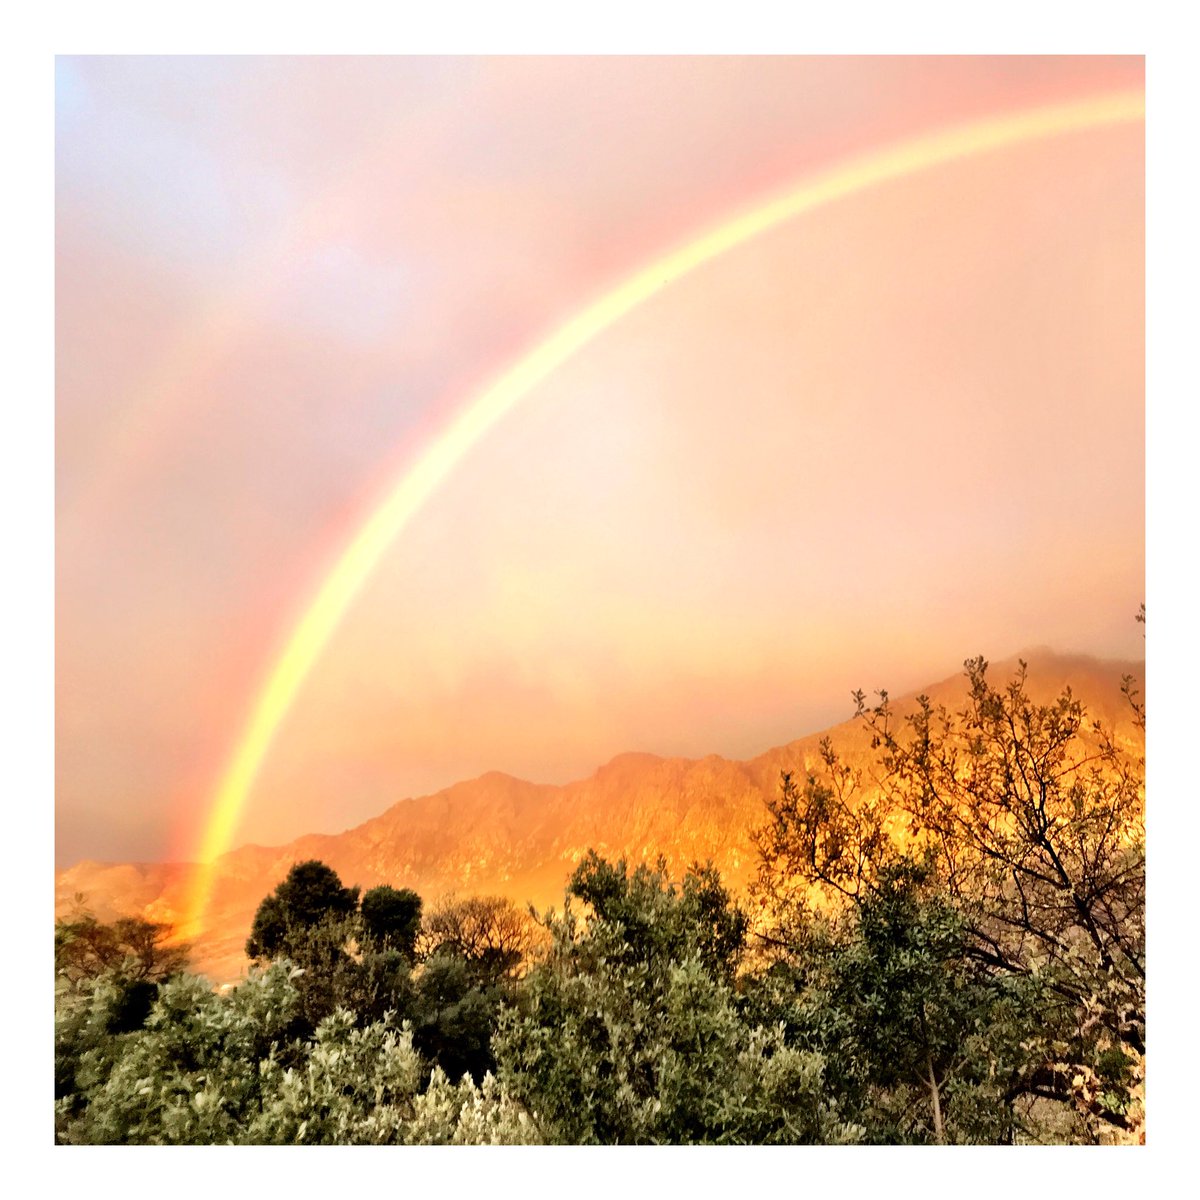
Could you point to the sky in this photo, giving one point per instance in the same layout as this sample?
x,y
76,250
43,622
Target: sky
x,y
892,433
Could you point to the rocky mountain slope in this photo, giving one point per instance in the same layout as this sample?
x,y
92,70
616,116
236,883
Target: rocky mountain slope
x,y
501,835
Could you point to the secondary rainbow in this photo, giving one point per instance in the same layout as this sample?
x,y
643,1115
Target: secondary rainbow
x,y
482,411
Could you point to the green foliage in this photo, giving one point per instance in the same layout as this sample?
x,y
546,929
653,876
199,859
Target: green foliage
x,y
659,919
391,919
310,896
630,1031
208,1069
189,1076
374,984
1021,827
923,1043
455,1015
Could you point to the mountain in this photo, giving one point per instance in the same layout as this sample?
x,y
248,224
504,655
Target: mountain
x,y
501,835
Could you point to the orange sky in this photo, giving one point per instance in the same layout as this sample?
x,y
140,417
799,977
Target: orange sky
x,y
903,430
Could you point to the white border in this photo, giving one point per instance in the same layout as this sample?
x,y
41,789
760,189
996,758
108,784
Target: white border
x,y
1158,30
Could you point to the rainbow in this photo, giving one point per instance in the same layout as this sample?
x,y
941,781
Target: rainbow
x,y
481,412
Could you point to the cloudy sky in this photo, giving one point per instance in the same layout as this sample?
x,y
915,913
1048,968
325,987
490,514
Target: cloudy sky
x,y
891,433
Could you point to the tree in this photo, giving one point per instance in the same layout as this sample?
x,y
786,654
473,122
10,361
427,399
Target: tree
x,y
229,1068
472,953
629,1030
310,895
391,919
348,960
490,933
144,950
454,1015
922,1043
660,918
1030,820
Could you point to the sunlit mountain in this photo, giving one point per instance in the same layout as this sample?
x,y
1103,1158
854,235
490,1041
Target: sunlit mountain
x,y
501,835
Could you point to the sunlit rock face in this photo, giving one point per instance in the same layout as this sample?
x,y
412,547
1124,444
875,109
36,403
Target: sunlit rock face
x,y
506,836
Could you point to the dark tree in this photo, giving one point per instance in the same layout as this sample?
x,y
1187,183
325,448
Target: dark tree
x,y
473,951
455,1016
311,895
142,950
268,930
391,919
312,892
490,933
352,957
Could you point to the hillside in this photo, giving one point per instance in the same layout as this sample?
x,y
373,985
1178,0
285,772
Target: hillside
x,y
501,835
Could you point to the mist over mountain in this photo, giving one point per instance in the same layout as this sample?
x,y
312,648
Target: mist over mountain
x,y
505,836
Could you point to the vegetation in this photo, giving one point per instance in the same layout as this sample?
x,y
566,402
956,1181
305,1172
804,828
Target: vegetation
x,y
141,950
630,1029
947,947
996,853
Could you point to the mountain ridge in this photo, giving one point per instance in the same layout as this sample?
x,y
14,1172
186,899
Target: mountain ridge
x,y
500,834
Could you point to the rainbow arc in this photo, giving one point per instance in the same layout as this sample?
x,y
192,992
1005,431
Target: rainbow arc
x,y
483,410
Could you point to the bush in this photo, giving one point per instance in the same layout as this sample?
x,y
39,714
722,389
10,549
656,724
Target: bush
x,y
630,1031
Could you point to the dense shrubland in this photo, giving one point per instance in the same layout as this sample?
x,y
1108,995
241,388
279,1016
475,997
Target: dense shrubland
x,y
947,949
